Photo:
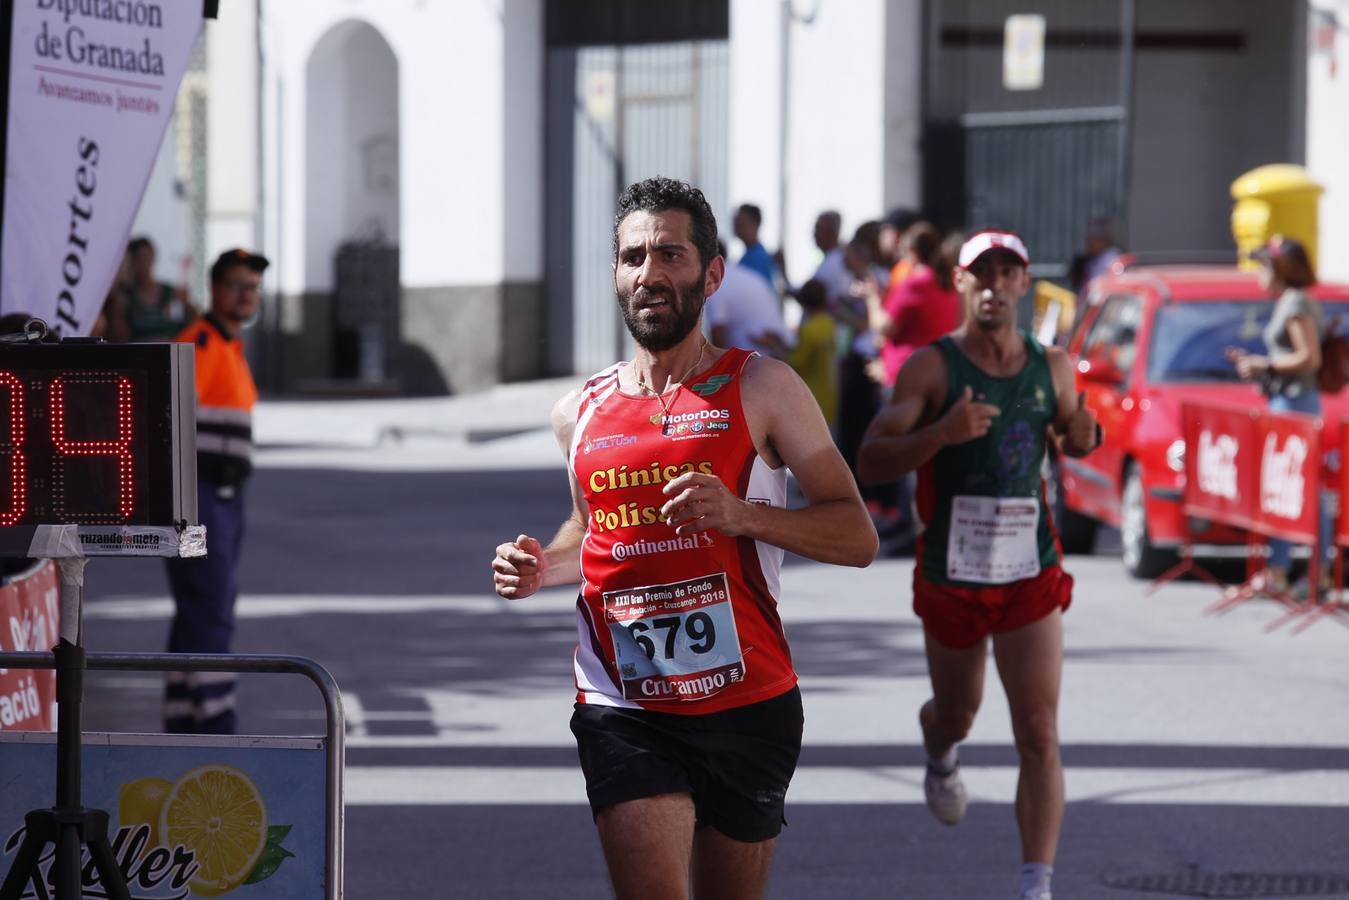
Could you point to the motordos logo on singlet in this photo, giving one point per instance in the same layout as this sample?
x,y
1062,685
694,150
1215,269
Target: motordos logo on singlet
x,y
632,514
698,424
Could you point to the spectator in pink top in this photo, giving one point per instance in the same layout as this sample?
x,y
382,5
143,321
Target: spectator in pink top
x,y
921,307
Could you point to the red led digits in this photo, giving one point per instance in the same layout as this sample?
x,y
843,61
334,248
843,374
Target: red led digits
x,y
120,447
18,492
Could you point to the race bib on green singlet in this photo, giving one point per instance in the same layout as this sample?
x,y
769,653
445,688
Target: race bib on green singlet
x,y
675,641
993,540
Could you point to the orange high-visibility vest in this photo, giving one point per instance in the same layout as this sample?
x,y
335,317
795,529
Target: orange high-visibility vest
x,y
225,399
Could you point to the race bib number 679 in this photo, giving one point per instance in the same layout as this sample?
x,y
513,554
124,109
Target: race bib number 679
x,y
675,641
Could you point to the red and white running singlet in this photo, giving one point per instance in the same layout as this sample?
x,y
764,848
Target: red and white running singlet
x,y
676,624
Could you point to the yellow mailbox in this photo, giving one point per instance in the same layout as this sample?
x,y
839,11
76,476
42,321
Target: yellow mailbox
x,y
1274,199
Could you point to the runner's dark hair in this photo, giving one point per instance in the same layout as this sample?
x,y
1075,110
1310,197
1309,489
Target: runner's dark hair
x,y
662,194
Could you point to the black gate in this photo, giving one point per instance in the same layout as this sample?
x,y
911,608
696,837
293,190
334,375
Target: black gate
x,y
1043,175
1041,162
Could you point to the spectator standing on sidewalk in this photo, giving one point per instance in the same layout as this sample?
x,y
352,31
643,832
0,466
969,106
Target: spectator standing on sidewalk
x,y
688,720
745,225
973,414
205,589
1099,254
859,388
922,307
894,242
916,311
815,354
744,312
833,269
148,309
1287,371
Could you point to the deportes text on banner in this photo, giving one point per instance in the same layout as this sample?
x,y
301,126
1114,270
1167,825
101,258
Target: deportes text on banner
x,y
91,88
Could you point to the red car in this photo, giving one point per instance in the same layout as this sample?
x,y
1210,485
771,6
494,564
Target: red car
x,y
1150,339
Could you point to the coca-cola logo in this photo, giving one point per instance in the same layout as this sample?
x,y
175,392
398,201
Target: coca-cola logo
x,y
1217,465
1282,477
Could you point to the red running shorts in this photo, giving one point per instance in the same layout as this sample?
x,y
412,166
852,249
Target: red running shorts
x,y
960,617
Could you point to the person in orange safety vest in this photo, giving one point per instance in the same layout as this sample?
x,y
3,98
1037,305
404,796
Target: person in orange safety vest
x,y
205,588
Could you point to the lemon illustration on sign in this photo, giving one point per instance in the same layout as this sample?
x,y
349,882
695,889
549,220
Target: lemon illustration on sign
x,y
216,812
139,803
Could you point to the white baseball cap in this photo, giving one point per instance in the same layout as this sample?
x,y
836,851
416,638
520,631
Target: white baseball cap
x,y
981,242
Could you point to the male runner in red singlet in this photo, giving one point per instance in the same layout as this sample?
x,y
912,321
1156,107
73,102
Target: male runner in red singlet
x,y
687,719
973,413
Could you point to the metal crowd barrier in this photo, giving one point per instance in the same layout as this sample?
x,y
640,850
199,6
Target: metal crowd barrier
x,y
335,747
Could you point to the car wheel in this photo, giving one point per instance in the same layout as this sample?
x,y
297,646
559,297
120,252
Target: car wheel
x,y
1141,558
1077,532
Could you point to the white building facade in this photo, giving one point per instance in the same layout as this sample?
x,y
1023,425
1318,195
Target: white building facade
x,y
422,126
1327,99
434,180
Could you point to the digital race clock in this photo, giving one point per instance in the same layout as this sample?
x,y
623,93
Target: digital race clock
x,y
98,450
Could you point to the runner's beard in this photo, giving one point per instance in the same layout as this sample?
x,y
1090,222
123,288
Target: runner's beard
x,y
657,333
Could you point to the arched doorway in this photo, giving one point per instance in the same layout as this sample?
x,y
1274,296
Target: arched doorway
x,y
352,205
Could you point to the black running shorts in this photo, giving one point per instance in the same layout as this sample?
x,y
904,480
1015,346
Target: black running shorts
x,y
735,764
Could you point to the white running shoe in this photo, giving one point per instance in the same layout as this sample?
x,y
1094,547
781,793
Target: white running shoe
x,y
1036,894
945,795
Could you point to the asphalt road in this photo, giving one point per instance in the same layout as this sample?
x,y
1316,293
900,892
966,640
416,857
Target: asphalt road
x,y
1196,745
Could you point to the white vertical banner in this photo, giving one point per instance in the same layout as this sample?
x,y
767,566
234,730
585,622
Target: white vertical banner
x,y
92,85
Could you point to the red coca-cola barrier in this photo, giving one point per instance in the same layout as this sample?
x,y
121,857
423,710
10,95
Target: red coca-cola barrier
x,y
1313,609
1342,516
1222,475
1289,501
1259,471
29,620
1221,480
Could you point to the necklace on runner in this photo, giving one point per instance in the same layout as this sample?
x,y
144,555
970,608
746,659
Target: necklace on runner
x,y
659,418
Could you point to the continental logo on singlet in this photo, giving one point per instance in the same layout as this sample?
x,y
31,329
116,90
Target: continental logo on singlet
x,y
631,515
699,541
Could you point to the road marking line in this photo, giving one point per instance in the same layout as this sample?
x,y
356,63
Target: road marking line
x,y
263,606
531,785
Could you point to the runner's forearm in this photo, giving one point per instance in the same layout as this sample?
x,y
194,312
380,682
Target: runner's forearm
x,y
887,458
563,554
832,531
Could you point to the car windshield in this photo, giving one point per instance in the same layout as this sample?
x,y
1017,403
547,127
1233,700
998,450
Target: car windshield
x,y
1189,340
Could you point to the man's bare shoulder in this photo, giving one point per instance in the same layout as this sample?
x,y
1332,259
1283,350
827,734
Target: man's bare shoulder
x,y
1060,363
763,373
924,370
772,383
1057,355
565,411
925,357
